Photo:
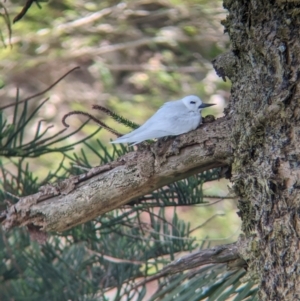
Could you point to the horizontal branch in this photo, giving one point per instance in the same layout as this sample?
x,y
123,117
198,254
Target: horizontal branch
x,y
78,199
220,254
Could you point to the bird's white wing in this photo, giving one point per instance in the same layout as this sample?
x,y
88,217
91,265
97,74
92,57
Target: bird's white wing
x,y
171,119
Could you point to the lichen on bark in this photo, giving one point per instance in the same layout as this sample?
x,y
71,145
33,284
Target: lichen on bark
x,y
265,138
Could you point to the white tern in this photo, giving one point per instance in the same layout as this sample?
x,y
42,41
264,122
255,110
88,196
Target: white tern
x,y
172,119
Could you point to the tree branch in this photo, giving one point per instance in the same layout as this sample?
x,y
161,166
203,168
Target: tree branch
x,y
78,199
220,254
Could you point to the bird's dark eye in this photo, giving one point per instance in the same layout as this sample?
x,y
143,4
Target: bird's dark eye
x,y
192,102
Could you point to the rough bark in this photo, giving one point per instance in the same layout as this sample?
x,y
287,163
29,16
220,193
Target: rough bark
x,y
265,107
79,199
265,139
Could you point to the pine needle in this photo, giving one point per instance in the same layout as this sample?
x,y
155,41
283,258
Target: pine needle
x,y
102,124
116,117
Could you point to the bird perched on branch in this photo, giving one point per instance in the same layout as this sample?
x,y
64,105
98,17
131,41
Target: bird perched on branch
x,y
172,119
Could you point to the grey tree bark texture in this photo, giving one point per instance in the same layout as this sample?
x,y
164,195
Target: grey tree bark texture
x,y
259,138
264,67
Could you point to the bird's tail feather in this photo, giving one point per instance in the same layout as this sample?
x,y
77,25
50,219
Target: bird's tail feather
x,y
140,137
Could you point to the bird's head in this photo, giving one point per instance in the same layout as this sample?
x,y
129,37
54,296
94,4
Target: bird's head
x,y
194,103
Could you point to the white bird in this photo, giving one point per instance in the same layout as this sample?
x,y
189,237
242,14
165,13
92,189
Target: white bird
x,y
172,119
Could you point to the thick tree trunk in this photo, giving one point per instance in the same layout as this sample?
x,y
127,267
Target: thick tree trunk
x,y
264,68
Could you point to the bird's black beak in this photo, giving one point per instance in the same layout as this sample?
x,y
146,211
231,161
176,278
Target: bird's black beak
x,y
205,105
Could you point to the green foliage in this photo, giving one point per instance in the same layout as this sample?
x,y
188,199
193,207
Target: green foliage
x,y
104,257
6,20
207,283
117,117
11,135
141,61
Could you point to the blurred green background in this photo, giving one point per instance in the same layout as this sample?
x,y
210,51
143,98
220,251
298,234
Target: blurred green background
x,y
133,57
